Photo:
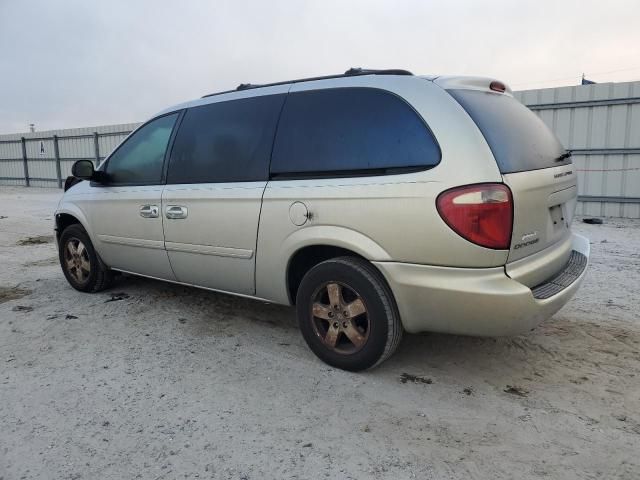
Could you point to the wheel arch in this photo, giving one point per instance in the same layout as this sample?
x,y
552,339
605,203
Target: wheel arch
x,y
70,216
317,244
305,258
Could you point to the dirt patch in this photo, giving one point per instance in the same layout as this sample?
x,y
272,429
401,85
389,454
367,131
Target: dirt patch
x,y
22,308
12,293
117,296
46,262
407,377
37,240
516,390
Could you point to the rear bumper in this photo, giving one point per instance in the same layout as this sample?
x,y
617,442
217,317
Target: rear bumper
x,y
474,301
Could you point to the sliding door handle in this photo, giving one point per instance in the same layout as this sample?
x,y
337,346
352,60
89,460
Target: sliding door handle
x,y
175,212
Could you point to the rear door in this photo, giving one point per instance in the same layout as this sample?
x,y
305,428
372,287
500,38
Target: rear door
x,y
218,169
533,164
124,211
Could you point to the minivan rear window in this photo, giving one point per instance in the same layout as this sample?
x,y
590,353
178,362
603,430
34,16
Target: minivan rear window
x,y
350,131
519,140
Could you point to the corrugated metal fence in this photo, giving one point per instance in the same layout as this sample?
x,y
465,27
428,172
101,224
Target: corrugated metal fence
x,y
44,159
599,123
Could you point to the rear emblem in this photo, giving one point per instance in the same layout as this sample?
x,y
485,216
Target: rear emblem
x,y
527,239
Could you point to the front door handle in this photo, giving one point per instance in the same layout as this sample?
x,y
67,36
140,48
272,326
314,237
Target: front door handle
x,y
149,211
175,212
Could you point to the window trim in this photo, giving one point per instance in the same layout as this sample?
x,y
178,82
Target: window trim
x,y
165,160
363,172
354,173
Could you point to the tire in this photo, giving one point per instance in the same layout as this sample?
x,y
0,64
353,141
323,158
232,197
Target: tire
x,y
81,265
348,337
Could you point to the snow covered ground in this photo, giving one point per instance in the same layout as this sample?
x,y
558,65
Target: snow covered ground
x,y
151,380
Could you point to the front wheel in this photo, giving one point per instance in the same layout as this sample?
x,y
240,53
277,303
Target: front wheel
x,y
80,262
347,314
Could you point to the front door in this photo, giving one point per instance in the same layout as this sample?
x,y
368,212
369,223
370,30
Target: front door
x,y
125,211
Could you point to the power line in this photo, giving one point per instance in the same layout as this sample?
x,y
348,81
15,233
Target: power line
x,y
544,81
537,82
619,70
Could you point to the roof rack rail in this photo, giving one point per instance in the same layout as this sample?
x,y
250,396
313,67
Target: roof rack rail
x,y
369,71
352,72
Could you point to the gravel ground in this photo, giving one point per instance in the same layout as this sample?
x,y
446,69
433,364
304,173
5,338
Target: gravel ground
x,y
152,380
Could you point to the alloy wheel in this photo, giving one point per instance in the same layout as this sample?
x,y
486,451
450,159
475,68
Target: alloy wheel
x,y
77,261
339,317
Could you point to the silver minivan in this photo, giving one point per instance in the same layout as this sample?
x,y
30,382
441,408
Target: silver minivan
x,y
375,201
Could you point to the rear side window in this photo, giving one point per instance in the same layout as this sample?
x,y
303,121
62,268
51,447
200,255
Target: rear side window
x,y
519,140
345,131
225,141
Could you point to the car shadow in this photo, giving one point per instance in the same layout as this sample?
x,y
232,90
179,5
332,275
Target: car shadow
x,y
525,358
208,305
212,310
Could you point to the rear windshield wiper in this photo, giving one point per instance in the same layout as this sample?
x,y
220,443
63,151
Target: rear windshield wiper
x,y
564,156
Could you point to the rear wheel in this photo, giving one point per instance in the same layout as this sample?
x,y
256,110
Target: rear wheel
x,y
347,314
80,263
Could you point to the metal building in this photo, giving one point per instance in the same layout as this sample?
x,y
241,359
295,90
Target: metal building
x,y
600,123
44,159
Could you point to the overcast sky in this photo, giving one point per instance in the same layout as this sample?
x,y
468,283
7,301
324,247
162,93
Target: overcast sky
x,y
72,63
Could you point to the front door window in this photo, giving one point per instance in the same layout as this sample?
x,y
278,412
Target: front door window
x,y
139,160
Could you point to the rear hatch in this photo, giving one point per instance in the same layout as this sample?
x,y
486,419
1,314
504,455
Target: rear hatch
x,y
533,164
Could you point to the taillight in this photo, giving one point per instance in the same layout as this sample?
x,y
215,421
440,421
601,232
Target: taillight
x,y
482,214
497,86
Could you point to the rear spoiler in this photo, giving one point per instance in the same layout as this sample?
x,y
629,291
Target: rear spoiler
x,y
483,84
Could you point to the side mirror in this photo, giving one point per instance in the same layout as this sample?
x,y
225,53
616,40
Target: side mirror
x,y
83,169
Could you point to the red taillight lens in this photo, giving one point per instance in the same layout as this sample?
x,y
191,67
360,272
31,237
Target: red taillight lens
x,y
482,214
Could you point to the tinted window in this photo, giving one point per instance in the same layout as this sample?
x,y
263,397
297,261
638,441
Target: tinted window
x,y
345,130
226,141
139,160
519,140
